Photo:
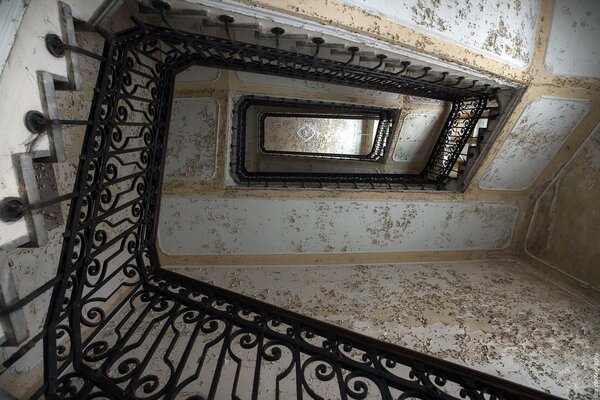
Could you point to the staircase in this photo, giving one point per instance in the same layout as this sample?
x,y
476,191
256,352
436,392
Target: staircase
x,y
32,152
38,70
30,84
36,183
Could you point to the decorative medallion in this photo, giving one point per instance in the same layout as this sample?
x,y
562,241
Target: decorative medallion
x,y
306,133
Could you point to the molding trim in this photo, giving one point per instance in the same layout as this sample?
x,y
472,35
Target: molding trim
x,y
11,15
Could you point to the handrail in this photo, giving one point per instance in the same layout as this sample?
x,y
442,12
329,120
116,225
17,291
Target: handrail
x,y
120,326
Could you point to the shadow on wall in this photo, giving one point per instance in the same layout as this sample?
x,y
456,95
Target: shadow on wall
x,y
565,229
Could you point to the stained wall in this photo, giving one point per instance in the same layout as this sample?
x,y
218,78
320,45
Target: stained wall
x,y
524,43
565,229
500,317
203,226
205,213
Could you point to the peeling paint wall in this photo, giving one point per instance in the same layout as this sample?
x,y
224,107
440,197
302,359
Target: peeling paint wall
x,y
196,223
538,134
11,14
500,317
198,74
573,43
275,226
415,137
504,30
496,316
33,267
192,143
565,229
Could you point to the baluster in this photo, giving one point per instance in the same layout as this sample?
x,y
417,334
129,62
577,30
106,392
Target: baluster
x,y
13,208
458,81
425,72
405,65
277,31
318,41
163,7
472,84
227,19
36,122
381,58
353,50
484,88
57,48
444,75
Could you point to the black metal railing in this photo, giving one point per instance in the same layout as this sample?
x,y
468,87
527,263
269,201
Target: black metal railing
x,y
458,128
121,327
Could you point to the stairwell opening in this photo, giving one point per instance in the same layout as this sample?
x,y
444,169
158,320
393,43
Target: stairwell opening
x,y
109,254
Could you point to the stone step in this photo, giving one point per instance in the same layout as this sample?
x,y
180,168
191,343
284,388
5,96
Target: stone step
x,y
36,75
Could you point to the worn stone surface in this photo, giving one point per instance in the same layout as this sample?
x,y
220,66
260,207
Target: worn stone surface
x,y
565,229
536,137
263,226
573,43
499,317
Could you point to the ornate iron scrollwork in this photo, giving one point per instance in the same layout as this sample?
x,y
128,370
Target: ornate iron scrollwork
x,y
121,327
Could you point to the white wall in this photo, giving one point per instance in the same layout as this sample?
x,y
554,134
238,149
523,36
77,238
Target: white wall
x,y
573,48
279,226
500,317
11,14
539,133
504,30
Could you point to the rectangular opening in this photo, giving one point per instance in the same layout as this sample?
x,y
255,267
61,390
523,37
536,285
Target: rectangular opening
x,y
319,134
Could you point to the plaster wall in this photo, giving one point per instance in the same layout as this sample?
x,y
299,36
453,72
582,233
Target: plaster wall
x,y
573,42
19,93
536,137
489,224
500,317
11,14
503,30
415,138
275,226
565,229
192,149
201,215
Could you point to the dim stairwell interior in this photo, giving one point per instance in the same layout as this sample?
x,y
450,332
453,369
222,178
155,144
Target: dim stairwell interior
x,y
498,270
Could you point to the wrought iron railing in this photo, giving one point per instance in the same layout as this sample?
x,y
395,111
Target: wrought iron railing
x,y
121,327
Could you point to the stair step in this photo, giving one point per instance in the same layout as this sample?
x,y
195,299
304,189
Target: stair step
x,y
216,24
335,52
55,133
323,46
31,161
174,12
285,36
73,81
29,192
